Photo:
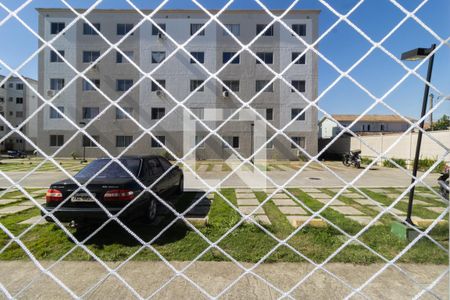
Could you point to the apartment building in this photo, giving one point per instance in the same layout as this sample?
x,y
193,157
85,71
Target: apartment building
x,y
149,50
17,101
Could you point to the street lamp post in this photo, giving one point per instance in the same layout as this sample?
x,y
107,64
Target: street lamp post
x,y
84,145
252,128
412,55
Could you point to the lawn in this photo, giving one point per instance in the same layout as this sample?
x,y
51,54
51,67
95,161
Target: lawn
x,y
246,243
28,164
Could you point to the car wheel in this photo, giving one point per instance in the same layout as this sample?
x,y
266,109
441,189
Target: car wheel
x,y
152,210
180,188
345,161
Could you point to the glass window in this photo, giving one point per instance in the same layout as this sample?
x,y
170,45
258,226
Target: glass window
x,y
299,85
19,100
269,114
54,57
54,114
56,84
196,27
120,115
123,85
123,140
267,32
90,56
113,170
295,114
156,31
19,114
232,85
56,140
87,142
199,56
298,141
266,57
299,29
90,112
155,87
301,60
87,86
235,29
198,141
120,59
195,84
233,141
57,27
123,29
155,144
228,55
260,84
164,163
19,86
158,113
89,30
199,112
158,56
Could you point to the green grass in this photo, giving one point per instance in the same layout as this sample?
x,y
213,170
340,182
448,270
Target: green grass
x,y
246,243
25,165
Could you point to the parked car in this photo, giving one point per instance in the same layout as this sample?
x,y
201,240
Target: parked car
x,y
114,187
16,154
443,183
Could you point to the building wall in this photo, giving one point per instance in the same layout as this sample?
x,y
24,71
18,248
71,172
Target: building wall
x,y
177,72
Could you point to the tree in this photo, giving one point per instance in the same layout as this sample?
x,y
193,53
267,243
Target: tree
x,y
442,124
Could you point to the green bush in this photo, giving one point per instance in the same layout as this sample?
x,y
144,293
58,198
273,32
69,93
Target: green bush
x,y
366,160
388,164
426,163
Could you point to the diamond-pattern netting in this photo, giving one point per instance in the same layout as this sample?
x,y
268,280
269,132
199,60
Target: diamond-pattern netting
x,y
182,160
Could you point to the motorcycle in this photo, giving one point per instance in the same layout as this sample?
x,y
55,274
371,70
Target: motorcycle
x,y
352,158
443,182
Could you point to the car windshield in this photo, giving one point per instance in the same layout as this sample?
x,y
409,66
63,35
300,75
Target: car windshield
x,y
114,170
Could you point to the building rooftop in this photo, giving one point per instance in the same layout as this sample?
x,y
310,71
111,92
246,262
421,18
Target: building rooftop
x,y
15,77
371,118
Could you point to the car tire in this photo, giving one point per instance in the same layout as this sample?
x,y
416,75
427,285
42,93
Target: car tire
x,y
180,187
345,161
152,211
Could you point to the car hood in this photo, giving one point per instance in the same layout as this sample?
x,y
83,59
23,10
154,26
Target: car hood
x,y
110,182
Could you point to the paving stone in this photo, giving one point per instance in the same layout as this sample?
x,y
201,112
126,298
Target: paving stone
x,y
311,190
426,195
196,221
416,202
292,210
248,209
13,209
297,221
210,196
436,209
392,196
284,202
363,220
365,201
336,202
217,168
353,196
263,219
202,168
280,196
7,201
33,220
242,190
284,168
426,222
347,210
30,203
392,210
245,196
247,202
320,196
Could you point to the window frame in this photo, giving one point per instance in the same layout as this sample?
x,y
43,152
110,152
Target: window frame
x,y
155,145
198,25
268,32
127,27
59,140
264,56
301,83
123,87
269,89
57,27
295,111
156,31
124,140
301,60
196,55
88,30
154,61
230,84
120,59
121,116
235,61
86,109
87,87
155,87
195,83
90,56
59,83
230,28
155,113
55,58
301,29
54,114
88,143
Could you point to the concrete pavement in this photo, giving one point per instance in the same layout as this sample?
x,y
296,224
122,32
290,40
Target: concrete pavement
x,y
147,277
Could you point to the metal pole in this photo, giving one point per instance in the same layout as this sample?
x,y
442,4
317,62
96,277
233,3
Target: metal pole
x,y
251,143
419,136
431,114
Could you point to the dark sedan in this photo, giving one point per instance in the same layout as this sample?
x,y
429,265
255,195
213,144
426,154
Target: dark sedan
x,y
114,187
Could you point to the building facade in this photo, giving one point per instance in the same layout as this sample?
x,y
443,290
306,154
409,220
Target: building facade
x,y
174,75
17,102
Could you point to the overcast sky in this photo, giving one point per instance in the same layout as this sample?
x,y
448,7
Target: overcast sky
x,y
343,45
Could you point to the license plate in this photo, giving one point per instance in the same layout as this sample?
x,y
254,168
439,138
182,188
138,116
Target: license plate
x,y
82,198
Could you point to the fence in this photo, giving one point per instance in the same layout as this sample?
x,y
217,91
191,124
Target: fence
x,y
353,237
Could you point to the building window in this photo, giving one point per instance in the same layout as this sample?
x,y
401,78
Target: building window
x,y
267,32
368,127
90,112
155,87
158,113
158,56
10,99
266,57
269,114
298,141
381,127
2,128
87,142
54,114
120,59
90,56
195,28
11,85
57,27
55,58
198,141
199,112
199,56
295,114
19,114
56,84
87,86
301,60
123,140
2,113
123,29
226,56
299,86
89,30
19,100
269,145
232,85
123,85
120,115
11,113
2,100
19,86
195,84
156,31
299,29
235,29
162,140
56,140
261,84
233,141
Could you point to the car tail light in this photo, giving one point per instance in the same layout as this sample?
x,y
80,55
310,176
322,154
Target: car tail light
x,y
118,195
53,196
